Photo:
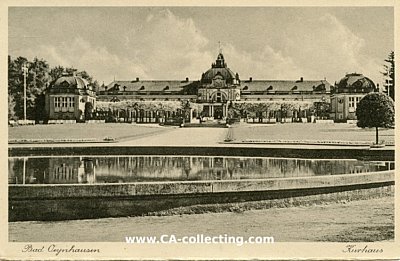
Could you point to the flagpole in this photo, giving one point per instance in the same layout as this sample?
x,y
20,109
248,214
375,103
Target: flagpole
x,y
25,71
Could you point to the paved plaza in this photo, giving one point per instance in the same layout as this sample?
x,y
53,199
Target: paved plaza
x,y
155,135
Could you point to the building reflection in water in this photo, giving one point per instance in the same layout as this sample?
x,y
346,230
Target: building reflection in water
x,y
117,169
58,170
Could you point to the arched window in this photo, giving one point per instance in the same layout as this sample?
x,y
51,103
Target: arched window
x,y
245,88
166,88
218,96
141,88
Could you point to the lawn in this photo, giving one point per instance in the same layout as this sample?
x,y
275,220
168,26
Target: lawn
x,y
308,131
119,131
241,132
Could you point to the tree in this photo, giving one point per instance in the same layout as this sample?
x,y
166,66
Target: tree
x,y
96,86
322,109
37,81
388,74
55,73
40,111
375,110
11,105
88,110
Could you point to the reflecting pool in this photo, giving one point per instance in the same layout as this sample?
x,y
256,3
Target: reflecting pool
x,y
120,169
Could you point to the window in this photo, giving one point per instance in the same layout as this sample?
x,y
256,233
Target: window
x,y
72,102
64,102
352,102
218,97
56,102
358,99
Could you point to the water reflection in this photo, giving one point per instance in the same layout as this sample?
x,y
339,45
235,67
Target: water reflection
x,y
117,169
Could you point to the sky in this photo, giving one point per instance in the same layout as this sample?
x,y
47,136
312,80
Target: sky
x,y
172,43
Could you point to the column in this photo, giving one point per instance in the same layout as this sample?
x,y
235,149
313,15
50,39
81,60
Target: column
x,y
24,171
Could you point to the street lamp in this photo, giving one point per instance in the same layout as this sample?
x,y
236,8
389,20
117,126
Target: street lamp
x,y
25,72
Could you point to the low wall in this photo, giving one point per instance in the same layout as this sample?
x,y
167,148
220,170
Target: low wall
x,y
312,153
61,202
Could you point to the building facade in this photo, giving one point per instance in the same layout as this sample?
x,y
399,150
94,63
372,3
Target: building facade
x,y
218,86
347,94
217,89
67,97
210,98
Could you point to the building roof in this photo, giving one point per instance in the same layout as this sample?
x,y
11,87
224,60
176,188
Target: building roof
x,y
226,73
220,67
147,86
251,86
356,81
71,82
286,86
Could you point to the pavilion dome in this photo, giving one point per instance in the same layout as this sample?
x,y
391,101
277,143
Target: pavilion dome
x,y
218,68
356,82
72,82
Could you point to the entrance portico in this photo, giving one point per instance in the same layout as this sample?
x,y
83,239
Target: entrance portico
x,y
218,87
216,111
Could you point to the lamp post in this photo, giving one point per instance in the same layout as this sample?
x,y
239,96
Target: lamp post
x,y
25,72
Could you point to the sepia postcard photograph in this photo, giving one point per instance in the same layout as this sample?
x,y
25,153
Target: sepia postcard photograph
x,y
199,130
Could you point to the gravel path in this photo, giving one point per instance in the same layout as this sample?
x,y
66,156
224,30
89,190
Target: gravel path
x,y
182,137
364,220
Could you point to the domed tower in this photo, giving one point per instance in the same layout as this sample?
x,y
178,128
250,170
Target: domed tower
x,y
220,69
347,93
67,97
355,83
219,85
